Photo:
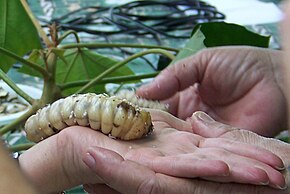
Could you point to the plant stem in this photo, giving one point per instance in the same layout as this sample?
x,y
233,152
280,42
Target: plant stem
x,y
11,126
50,91
106,45
41,32
20,147
19,91
67,33
116,79
24,62
120,64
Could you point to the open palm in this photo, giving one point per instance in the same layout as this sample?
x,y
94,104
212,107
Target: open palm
x,y
126,176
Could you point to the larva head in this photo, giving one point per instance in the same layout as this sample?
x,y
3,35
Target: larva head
x,y
148,126
138,122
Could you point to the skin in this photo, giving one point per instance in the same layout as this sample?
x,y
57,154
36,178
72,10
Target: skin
x,y
11,175
126,176
286,56
168,152
220,81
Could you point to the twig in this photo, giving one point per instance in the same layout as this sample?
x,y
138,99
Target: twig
x,y
116,79
109,45
120,64
67,33
11,126
24,62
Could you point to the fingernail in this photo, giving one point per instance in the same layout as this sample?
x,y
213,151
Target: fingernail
x,y
281,187
89,161
204,117
264,183
280,168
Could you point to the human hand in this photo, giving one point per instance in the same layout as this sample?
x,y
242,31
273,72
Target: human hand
x,y
167,151
126,176
204,125
220,81
117,172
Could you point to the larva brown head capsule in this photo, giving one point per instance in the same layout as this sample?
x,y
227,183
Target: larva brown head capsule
x,y
110,115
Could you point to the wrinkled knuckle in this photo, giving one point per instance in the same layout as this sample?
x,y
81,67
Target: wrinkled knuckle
x,y
150,186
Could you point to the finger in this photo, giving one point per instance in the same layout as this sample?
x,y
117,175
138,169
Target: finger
x,y
99,189
122,175
251,175
242,169
244,149
189,167
130,177
186,102
245,170
203,125
169,120
174,78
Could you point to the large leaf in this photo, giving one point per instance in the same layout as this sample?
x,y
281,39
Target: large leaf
x,y
17,32
83,64
220,34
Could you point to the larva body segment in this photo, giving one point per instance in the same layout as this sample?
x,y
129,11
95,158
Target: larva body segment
x,y
141,102
54,116
110,115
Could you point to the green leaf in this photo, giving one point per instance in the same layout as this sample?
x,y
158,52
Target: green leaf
x,y
35,57
17,32
220,34
59,53
83,64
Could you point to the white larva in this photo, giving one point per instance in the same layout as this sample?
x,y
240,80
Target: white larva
x,y
141,102
111,115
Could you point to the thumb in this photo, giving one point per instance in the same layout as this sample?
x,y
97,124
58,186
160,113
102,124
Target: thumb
x,y
205,126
